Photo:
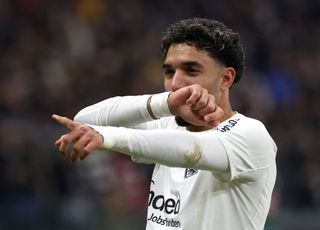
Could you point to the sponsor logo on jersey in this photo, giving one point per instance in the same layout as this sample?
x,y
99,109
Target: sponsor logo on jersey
x,y
165,205
190,172
159,202
231,123
164,221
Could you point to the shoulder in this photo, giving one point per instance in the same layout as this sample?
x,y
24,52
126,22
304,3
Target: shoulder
x,y
250,148
239,122
248,130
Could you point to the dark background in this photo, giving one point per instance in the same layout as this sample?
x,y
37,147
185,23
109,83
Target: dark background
x,y
60,56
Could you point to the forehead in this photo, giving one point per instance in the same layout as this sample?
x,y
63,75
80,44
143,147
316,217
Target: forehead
x,y
182,52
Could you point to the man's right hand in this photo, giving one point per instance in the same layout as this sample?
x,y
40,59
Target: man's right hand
x,y
79,142
195,105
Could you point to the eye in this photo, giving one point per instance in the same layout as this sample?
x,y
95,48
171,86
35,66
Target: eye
x,y
168,72
192,71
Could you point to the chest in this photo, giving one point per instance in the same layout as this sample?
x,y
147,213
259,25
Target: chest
x,y
183,183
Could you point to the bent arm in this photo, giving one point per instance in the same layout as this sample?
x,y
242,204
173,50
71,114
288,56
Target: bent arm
x,y
174,148
191,103
127,111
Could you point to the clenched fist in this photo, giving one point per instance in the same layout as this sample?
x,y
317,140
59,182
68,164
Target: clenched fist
x,y
195,105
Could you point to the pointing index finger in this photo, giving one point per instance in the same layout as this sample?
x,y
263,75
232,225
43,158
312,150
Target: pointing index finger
x,y
64,121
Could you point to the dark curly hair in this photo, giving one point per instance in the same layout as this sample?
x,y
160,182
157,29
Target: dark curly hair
x,y
212,36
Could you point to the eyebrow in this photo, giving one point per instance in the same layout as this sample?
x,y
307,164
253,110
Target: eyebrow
x,y
185,64
165,66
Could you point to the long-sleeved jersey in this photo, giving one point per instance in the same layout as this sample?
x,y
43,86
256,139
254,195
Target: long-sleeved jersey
x,y
220,179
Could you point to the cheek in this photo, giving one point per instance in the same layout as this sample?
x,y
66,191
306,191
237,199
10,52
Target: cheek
x,y
167,85
213,87
209,84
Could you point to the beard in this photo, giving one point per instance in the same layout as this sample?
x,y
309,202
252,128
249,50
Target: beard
x,y
181,122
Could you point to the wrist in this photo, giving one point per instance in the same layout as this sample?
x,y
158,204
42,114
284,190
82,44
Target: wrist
x,y
157,105
171,105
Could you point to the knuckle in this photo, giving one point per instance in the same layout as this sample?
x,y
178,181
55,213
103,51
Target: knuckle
x,y
212,107
98,142
197,86
202,112
90,135
196,93
86,152
76,148
201,103
93,132
83,128
220,111
66,138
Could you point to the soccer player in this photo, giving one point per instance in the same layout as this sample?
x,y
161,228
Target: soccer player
x,y
214,167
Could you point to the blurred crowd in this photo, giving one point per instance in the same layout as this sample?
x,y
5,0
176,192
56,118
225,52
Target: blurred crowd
x,y
60,56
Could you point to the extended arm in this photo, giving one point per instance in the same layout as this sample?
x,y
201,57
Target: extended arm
x,y
201,150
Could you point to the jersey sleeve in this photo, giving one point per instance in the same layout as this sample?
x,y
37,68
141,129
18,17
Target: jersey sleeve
x,y
126,111
249,147
175,148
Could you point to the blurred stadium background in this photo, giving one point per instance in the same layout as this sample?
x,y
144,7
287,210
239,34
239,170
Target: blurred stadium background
x,y
59,56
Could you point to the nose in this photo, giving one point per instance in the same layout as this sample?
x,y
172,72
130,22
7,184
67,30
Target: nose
x,y
177,81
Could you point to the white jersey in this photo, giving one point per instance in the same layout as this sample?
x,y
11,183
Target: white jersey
x,y
188,199
218,179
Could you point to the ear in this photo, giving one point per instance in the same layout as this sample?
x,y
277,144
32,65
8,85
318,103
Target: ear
x,y
228,76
